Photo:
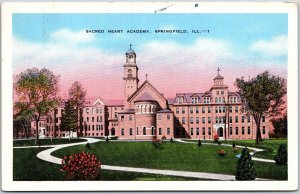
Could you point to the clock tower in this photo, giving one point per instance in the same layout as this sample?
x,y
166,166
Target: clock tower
x,y
130,78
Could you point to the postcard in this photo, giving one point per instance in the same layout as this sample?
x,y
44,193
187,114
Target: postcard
x,y
149,96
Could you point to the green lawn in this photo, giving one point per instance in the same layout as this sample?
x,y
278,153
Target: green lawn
x,y
269,145
173,156
27,167
31,142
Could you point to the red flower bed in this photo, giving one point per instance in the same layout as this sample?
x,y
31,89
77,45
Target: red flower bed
x,y
156,143
222,153
81,166
216,138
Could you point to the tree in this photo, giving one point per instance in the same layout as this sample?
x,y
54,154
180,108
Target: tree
x,y
22,117
37,90
262,96
69,118
280,126
77,95
245,168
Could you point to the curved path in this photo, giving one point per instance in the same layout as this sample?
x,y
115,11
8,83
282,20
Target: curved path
x,y
228,145
46,156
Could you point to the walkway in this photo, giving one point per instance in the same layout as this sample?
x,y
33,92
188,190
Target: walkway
x,y
228,145
46,156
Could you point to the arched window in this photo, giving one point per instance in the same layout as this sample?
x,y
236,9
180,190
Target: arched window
x,y
145,108
152,131
141,109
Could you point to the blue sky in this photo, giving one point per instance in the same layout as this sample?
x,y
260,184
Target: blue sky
x,y
241,44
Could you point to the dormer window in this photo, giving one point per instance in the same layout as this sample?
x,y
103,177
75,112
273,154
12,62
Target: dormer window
x,y
233,99
194,100
206,100
180,99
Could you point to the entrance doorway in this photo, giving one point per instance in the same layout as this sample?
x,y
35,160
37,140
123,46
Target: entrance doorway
x,y
220,131
113,132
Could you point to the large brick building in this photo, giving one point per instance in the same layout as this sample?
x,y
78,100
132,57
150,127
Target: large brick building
x,y
145,113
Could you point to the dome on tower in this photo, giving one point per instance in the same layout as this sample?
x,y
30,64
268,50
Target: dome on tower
x,y
130,51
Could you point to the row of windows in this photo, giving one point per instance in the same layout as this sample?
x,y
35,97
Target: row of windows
x,y
194,109
97,127
87,110
243,130
160,116
198,132
99,119
218,119
153,131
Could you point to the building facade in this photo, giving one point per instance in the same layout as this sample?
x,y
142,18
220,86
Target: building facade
x,y
145,113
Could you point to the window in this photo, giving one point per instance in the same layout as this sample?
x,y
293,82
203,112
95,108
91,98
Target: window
x,y
191,120
222,92
97,118
116,115
144,130
223,109
230,119
203,131
191,110
92,110
236,119
100,110
230,130
208,109
209,120
180,99
159,117
130,117
130,131
243,119
217,109
87,119
197,131
264,130
243,130
137,131
197,109
263,119
177,110
122,118
209,131
216,100
249,131
194,100
87,110
93,127
217,119
183,120
217,93
100,118
206,100
97,110
183,110
159,131
230,108
122,132
248,118
203,119
168,116
203,109
236,130
236,109
168,131
197,120
192,131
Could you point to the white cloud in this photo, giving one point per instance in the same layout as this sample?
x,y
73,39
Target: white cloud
x,y
275,47
72,37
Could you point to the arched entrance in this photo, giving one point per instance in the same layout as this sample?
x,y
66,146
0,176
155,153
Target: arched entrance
x,y
220,131
113,132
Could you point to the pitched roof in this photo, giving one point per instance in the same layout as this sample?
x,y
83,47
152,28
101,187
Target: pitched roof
x,y
113,102
145,97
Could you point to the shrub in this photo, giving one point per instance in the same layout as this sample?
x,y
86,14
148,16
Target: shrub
x,y
107,139
235,149
81,166
281,157
88,146
163,138
156,143
233,145
216,138
171,140
222,153
199,143
245,167
219,143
